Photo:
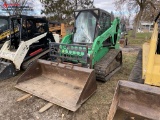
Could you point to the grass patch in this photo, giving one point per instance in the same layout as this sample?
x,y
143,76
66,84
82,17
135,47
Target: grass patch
x,y
140,38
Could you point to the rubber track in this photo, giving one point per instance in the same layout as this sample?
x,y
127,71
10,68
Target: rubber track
x,y
26,64
136,73
100,67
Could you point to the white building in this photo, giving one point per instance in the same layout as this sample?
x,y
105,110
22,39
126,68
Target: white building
x,y
145,26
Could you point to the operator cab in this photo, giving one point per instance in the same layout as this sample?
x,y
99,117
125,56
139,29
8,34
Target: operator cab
x,y
89,24
25,28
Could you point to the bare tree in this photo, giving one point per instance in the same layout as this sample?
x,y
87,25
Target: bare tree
x,y
62,10
150,13
139,6
18,9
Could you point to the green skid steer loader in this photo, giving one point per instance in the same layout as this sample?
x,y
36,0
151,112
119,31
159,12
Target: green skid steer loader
x,y
91,52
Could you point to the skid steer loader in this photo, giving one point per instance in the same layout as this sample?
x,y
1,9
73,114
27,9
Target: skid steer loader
x,y
91,52
140,99
28,43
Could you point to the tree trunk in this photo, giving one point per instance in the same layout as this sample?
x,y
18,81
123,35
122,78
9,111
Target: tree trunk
x,y
134,30
136,23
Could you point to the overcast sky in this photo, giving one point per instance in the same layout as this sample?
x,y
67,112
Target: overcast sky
x,y
107,5
103,4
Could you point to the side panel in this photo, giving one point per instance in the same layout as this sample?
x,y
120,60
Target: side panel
x,y
98,50
145,58
152,69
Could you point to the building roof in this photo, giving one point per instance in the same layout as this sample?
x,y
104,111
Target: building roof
x,y
146,23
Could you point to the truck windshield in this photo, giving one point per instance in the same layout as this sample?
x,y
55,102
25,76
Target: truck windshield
x,y
85,28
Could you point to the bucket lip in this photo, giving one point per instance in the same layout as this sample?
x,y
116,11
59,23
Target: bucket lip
x,y
77,68
140,87
72,107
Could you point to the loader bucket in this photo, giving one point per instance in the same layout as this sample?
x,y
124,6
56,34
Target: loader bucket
x,y
65,85
134,101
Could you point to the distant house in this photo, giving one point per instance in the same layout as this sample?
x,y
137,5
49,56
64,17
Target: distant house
x,y
129,27
145,26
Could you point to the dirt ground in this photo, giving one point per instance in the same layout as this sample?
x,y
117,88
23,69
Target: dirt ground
x,y
96,108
